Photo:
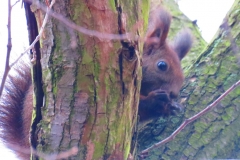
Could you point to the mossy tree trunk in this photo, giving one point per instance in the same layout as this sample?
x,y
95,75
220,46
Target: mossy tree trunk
x,y
216,134
91,88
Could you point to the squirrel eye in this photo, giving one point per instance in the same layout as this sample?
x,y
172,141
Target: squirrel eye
x,y
162,65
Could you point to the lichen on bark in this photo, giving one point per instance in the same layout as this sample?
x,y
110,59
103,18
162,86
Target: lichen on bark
x,y
216,134
91,90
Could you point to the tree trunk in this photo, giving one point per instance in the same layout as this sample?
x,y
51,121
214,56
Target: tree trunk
x,y
216,134
91,85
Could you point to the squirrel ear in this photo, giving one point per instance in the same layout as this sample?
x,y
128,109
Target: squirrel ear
x,y
183,43
159,23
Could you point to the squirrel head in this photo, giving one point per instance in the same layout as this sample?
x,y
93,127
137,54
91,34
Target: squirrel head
x,y
161,61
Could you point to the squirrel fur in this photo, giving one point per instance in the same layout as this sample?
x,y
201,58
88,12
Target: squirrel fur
x,y
162,80
16,105
161,70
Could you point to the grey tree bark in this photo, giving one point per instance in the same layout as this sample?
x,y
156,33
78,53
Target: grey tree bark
x,y
216,134
91,85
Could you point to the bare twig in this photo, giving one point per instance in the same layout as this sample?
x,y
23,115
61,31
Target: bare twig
x,y
9,45
100,35
71,152
62,155
15,3
39,35
9,48
190,120
70,24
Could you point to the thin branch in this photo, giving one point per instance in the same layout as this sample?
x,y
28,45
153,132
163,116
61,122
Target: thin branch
x,y
39,35
9,45
71,152
61,155
70,24
9,48
15,3
190,120
100,35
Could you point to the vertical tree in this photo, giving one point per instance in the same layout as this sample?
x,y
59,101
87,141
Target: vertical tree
x,y
90,80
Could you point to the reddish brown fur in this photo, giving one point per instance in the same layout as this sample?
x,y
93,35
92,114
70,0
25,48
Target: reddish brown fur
x,y
15,111
157,91
160,87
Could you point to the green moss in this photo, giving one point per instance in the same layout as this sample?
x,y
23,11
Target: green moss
x,y
222,74
194,139
90,118
112,5
165,157
236,92
211,152
78,8
230,80
87,67
216,127
145,12
230,111
193,100
210,69
98,150
175,120
189,151
200,84
200,126
226,101
112,99
57,43
127,150
86,58
206,138
211,85
227,119
173,146
236,102
116,128
205,101
216,70
211,117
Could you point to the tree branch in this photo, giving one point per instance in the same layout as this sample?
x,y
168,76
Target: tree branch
x,y
50,156
15,3
9,45
9,48
39,35
144,153
72,25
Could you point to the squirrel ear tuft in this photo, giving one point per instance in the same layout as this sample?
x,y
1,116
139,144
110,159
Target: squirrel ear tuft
x,y
159,23
183,43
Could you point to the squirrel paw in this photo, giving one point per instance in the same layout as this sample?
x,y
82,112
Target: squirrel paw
x,y
159,95
174,108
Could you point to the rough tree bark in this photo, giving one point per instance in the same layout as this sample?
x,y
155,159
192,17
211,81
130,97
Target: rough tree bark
x,y
215,135
91,85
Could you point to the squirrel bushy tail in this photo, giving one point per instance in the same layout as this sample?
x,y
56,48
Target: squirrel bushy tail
x,y
15,111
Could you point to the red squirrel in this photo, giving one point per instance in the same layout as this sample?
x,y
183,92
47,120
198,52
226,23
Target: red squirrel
x,y
161,82
16,105
161,70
